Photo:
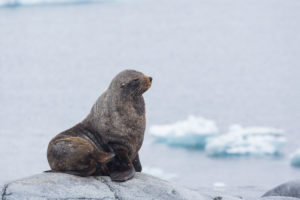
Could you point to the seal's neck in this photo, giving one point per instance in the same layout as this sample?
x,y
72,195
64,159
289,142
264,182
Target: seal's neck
x,y
111,102
139,105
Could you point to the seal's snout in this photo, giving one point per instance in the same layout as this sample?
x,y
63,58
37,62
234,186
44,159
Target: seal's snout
x,y
148,81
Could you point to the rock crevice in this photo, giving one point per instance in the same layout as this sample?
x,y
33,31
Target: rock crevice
x,y
109,187
3,191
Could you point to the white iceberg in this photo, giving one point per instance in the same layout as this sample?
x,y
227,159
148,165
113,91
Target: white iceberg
x,y
241,141
193,132
295,158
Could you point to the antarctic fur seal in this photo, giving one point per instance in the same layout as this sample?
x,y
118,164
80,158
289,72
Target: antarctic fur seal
x,y
107,141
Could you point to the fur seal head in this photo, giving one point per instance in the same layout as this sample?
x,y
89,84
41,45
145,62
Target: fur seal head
x,y
130,83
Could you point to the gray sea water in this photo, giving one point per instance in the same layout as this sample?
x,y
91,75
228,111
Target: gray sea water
x,y
230,61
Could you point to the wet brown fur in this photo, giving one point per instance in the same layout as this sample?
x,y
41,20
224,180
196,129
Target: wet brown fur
x,y
107,141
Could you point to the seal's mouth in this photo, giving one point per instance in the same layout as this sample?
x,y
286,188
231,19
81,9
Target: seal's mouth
x,y
145,84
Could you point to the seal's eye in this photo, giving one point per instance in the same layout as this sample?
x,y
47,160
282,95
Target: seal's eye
x,y
123,84
134,83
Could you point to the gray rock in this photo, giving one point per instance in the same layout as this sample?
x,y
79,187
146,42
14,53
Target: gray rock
x,y
289,189
242,192
278,198
64,186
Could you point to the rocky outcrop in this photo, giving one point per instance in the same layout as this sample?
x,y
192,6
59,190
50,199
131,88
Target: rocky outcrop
x,y
59,186
64,186
289,189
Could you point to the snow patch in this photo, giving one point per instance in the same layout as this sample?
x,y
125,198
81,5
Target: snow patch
x,y
157,172
193,132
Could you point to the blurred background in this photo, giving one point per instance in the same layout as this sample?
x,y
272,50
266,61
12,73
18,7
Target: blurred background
x,y
222,62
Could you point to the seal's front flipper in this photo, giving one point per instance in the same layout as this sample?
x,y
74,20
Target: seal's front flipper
x,y
137,164
121,176
121,168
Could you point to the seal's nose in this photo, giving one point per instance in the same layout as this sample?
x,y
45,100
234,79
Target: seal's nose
x,y
150,78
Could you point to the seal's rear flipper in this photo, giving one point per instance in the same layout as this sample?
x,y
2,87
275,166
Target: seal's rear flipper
x,y
49,171
121,176
103,157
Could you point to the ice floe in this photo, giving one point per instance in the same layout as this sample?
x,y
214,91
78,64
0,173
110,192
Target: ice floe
x,y
193,132
219,186
295,158
247,141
